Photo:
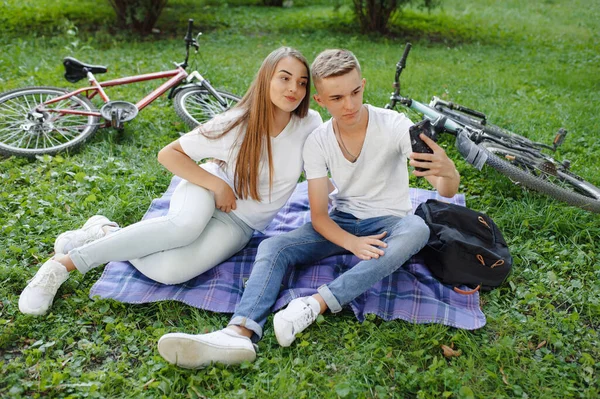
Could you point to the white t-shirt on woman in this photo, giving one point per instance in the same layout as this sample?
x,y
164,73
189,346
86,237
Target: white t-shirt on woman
x,y
286,150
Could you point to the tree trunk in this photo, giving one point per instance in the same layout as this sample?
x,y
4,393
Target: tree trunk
x,y
138,15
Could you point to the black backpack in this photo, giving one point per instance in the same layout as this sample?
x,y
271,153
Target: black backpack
x,y
465,247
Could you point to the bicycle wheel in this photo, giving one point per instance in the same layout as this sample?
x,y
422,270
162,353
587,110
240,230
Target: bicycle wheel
x,y
541,173
26,132
196,105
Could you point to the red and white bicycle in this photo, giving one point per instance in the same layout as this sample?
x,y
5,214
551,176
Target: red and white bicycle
x,y
47,120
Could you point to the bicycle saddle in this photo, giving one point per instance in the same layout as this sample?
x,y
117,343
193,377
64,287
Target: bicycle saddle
x,y
76,70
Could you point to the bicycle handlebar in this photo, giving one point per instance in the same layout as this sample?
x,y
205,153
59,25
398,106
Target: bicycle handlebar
x,y
396,97
402,62
189,41
188,36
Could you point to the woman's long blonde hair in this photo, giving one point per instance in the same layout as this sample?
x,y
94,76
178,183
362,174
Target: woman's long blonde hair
x,y
257,118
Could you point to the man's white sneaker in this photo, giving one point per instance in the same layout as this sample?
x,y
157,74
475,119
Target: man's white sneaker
x,y
300,313
197,351
92,230
37,297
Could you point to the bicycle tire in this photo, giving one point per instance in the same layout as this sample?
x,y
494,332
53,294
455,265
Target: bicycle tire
x,y
196,105
52,133
526,176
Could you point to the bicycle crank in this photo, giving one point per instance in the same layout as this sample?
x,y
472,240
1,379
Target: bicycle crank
x,y
118,112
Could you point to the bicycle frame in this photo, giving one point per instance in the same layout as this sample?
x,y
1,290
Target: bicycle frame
x,y
175,75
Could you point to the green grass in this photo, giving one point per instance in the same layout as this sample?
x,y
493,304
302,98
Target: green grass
x,y
532,66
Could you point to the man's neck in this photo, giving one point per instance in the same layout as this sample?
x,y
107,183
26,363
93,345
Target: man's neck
x,y
357,129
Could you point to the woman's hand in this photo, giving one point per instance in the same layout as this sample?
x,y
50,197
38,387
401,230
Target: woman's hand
x,y
224,197
367,247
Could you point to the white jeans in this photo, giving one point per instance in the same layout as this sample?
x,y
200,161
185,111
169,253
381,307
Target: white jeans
x,y
192,238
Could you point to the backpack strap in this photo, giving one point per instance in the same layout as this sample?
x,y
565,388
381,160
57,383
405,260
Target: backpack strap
x,y
463,292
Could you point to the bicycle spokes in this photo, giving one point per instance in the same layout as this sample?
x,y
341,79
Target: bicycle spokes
x,y
28,127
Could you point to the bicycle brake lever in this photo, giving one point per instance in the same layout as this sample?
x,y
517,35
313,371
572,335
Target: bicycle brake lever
x,y
438,126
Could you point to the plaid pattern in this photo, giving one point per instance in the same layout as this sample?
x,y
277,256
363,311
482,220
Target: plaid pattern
x,y
411,293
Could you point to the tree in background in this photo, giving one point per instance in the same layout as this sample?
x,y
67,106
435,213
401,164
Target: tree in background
x,y
374,15
138,15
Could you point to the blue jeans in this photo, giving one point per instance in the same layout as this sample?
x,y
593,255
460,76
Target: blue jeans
x,y
405,237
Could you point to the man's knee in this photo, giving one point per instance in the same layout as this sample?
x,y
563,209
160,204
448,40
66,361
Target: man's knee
x,y
272,246
414,227
417,229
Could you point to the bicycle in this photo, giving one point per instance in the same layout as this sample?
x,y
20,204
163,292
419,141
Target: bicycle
x,y
47,120
515,156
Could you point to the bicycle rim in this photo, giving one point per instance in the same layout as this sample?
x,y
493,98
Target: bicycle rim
x,y
197,105
24,131
544,175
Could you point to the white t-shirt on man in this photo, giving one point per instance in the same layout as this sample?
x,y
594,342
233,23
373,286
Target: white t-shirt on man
x,y
376,184
286,150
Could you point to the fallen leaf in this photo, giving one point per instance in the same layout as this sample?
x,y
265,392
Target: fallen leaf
x,y
145,386
504,378
540,345
449,352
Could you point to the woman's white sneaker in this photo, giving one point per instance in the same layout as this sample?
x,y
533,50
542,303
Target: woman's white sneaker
x,y
39,294
92,230
197,351
300,313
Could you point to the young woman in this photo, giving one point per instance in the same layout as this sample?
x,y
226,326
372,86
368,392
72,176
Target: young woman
x,y
216,208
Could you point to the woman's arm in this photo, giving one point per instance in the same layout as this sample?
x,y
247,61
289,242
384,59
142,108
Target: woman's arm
x,y
177,162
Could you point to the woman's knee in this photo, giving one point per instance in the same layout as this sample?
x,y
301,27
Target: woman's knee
x,y
164,276
160,272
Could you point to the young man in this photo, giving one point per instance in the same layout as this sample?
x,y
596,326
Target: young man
x,y
365,149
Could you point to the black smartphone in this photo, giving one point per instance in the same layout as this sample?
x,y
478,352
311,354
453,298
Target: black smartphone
x,y
418,145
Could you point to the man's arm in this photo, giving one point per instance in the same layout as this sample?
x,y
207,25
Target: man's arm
x,y
364,248
442,173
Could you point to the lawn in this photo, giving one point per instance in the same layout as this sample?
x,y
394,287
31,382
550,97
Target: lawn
x,y
531,66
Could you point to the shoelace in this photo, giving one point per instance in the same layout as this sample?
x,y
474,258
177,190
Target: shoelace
x,y
75,234
304,320
48,280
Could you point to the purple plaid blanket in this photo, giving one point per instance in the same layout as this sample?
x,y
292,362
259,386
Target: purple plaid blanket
x,y
410,294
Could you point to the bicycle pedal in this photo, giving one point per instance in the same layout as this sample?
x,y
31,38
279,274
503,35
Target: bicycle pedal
x,y
559,138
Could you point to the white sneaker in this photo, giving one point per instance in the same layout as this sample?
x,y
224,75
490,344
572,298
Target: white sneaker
x,y
300,313
197,351
92,230
37,297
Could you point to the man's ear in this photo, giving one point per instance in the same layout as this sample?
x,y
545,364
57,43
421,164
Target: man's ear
x,y
317,98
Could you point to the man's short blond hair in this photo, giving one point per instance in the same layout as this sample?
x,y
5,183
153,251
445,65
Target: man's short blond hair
x,y
333,62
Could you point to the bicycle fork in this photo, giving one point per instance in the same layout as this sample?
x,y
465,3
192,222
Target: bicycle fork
x,y
206,84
